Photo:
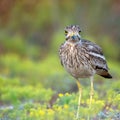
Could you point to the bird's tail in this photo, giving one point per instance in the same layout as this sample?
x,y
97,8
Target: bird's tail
x,y
105,74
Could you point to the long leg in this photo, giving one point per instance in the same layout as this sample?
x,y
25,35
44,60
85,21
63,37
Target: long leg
x,y
79,100
91,91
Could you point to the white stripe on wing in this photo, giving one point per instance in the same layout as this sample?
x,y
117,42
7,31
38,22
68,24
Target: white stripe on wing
x,y
97,55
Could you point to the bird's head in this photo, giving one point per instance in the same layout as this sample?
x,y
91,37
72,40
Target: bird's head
x,y
72,33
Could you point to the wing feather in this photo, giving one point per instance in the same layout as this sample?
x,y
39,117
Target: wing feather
x,y
96,55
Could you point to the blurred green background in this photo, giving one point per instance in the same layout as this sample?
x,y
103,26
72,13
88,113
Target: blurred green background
x,y
31,32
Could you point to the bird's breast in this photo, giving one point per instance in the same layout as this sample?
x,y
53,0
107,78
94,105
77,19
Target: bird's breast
x,y
76,62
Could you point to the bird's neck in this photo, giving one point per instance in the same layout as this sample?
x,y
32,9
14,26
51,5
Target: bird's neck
x,y
73,43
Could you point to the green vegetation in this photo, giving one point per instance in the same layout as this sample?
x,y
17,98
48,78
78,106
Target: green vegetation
x,y
33,84
28,91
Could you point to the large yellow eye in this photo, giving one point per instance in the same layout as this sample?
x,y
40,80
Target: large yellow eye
x,y
66,32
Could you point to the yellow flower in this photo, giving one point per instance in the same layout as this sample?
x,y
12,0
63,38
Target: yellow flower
x,y
67,94
66,106
32,114
41,112
59,108
60,95
50,112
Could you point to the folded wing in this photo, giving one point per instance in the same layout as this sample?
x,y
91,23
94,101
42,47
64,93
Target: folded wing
x,y
97,58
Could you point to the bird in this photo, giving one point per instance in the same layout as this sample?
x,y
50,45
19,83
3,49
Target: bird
x,y
82,58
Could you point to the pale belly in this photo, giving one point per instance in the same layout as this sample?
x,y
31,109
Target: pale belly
x,y
80,72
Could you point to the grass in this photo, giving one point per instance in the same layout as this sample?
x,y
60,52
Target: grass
x,y
31,90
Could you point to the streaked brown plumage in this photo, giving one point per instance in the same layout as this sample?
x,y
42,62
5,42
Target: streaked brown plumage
x,y
82,58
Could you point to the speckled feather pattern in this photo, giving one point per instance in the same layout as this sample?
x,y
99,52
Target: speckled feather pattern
x,y
78,60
